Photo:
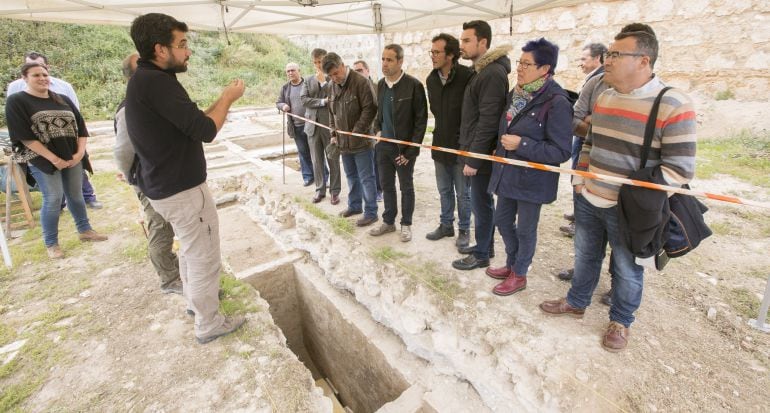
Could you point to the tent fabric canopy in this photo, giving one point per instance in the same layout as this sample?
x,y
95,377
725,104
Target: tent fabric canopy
x,y
280,17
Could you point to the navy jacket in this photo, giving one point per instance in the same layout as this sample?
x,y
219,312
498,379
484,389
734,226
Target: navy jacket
x,y
545,127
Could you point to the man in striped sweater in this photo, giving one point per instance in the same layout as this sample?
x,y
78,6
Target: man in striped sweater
x,y
613,147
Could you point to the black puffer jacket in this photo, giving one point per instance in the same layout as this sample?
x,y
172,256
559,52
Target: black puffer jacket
x,y
483,103
446,102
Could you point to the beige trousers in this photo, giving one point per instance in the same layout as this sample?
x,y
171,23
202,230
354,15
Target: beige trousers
x,y
194,217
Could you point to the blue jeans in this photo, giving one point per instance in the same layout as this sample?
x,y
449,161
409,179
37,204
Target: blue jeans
x,y
89,195
65,183
519,235
590,226
359,170
577,146
303,148
483,207
451,184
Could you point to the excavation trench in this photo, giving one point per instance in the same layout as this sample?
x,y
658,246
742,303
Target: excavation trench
x,y
348,354
331,336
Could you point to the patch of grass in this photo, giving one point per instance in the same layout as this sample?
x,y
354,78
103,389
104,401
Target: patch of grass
x,y
723,228
267,178
744,302
236,298
387,253
726,94
136,252
13,395
7,334
745,156
340,225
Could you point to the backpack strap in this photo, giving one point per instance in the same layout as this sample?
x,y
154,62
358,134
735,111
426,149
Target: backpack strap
x,y
649,130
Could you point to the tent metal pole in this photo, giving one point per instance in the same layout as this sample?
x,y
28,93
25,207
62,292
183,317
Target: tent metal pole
x,y
283,147
759,323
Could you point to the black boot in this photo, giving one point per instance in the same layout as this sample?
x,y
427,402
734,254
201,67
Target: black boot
x,y
463,239
441,232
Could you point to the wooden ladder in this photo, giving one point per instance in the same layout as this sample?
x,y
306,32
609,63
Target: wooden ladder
x,y
14,172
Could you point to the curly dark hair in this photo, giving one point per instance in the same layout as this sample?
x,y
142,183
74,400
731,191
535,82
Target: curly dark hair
x,y
151,29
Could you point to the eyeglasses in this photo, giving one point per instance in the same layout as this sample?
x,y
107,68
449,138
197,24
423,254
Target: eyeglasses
x,y
179,46
616,55
526,65
435,53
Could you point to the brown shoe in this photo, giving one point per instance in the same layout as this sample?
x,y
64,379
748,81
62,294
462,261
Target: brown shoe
x,y
499,273
318,197
513,284
560,307
55,252
335,199
362,222
616,337
92,235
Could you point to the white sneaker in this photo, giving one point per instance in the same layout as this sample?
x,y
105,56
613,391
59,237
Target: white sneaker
x,y
406,233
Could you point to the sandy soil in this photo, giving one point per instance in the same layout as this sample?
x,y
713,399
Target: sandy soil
x,y
115,343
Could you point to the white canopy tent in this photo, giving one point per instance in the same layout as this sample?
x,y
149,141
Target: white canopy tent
x,y
281,17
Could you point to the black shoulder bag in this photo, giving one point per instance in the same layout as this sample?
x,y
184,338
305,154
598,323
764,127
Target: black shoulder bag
x,y
681,227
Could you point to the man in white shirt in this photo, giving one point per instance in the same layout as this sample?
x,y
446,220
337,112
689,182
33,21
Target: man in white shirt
x,y
63,88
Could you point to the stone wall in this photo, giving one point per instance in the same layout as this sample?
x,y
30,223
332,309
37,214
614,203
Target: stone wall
x,y
707,47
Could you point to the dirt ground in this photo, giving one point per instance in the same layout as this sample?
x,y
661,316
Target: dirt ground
x,y
96,334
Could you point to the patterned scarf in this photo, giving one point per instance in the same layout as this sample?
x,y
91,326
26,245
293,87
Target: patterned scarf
x,y
522,95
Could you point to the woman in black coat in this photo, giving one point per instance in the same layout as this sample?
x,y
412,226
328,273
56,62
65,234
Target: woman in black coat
x,y
537,127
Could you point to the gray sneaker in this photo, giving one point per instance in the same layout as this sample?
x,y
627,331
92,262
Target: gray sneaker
x,y
230,324
382,229
406,233
174,287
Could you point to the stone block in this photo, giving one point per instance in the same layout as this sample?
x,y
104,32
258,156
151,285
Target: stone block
x,y
410,401
525,26
692,8
728,8
566,21
658,10
600,14
544,23
760,29
717,62
758,61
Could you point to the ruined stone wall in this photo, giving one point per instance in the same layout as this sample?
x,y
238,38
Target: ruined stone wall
x,y
708,47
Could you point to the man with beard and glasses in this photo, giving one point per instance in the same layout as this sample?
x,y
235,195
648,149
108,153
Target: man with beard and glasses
x,y
167,130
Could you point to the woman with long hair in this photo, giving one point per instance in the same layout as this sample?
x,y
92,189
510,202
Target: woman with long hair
x,y
49,134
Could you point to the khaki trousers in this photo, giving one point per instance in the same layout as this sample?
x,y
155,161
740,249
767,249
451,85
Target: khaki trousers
x,y
193,215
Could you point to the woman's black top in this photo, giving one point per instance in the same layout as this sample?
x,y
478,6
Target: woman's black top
x,y
55,125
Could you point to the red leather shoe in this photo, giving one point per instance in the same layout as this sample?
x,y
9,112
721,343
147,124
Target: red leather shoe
x,y
512,284
499,273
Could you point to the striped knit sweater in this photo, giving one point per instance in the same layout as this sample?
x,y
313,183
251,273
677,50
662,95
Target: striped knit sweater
x,y
613,146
